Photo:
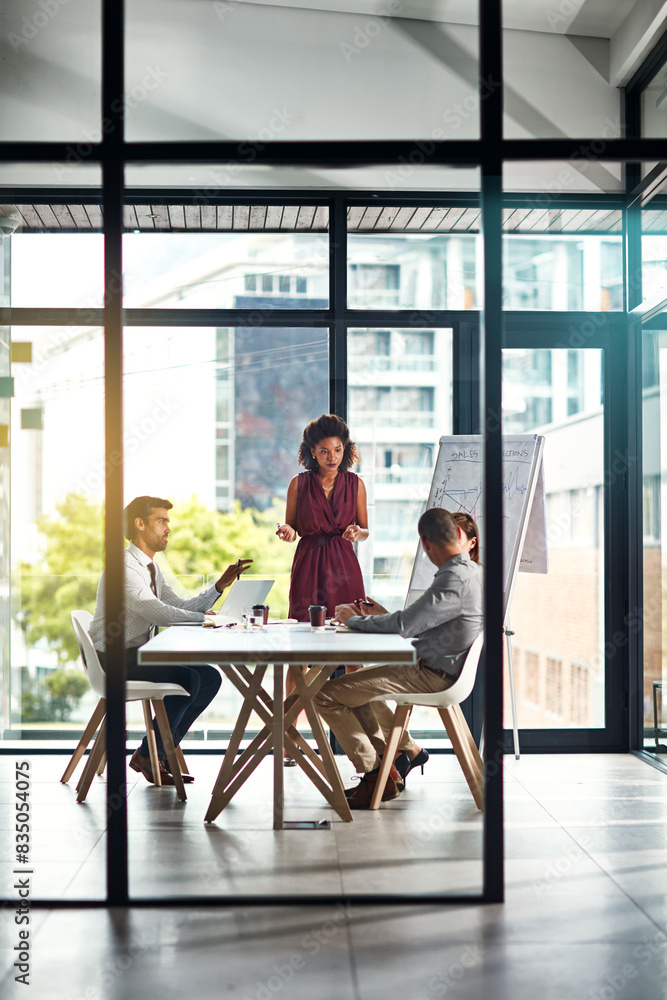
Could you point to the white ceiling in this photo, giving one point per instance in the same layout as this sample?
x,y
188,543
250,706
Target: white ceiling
x,y
595,18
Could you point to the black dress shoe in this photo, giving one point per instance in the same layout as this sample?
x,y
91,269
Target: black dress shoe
x,y
404,765
164,763
143,766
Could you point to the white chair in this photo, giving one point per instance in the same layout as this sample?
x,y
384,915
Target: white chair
x,y
448,705
147,692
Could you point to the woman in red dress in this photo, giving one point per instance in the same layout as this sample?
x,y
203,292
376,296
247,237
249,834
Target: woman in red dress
x,y
326,507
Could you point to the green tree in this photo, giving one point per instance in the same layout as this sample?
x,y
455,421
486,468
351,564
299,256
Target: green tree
x,y
206,542
55,701
66,688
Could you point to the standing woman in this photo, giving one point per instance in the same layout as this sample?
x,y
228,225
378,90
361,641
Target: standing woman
x,y
326,507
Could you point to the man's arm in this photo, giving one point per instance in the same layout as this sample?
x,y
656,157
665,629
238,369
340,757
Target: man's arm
x,y
140,600
437,605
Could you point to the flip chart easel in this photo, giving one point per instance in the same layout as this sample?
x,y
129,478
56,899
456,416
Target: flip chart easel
x,y
457,486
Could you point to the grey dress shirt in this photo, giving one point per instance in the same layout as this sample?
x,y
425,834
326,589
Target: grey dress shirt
x,y
143,609
445,620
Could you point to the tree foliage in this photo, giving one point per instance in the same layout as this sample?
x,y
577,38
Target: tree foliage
x,y
203,542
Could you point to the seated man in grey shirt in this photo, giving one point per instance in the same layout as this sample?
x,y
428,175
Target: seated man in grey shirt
x,y
150,602
444,622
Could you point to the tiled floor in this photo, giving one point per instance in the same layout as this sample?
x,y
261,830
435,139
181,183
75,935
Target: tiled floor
x,y
585,915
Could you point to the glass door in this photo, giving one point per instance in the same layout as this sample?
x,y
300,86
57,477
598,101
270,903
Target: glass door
x,y
568,651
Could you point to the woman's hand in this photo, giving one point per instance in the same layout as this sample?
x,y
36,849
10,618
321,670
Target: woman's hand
x,y
286,532
352,533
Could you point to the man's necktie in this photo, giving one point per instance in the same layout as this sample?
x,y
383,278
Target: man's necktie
x,y
151,570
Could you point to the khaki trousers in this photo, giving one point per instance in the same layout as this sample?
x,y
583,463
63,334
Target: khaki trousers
x,y
362,727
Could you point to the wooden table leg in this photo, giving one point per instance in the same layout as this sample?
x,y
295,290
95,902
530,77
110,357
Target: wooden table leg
x,y
278,746
306,688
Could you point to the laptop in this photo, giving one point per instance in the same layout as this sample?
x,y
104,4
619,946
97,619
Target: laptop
x,y
242,595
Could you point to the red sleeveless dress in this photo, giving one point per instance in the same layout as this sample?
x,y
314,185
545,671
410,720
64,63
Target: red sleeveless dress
x,y
325,569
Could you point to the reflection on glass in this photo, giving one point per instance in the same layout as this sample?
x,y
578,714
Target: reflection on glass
x,y
558,618
654,464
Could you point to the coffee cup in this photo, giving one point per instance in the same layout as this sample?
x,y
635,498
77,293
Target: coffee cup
x,y
263,610
318,614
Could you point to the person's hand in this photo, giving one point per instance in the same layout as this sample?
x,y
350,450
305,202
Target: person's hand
x,y
286,532
232,573
372,607
352,532
345,611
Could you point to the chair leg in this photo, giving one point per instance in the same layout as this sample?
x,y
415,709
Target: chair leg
x,y
181,761
152,742
94,758
88,733
401,719
102,764
476,754
461,747
165,733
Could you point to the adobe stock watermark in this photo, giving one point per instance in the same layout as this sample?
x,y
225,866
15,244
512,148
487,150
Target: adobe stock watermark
x,y
112,970
364,34
31,26
630,972
311,944
441,984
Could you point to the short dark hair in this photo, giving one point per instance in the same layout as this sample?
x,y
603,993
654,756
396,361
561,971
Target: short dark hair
x,y
327,426
142,507
438,526
468,524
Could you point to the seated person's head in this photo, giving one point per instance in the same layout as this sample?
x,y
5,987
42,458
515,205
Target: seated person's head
x,y
466,522
140,509
440,534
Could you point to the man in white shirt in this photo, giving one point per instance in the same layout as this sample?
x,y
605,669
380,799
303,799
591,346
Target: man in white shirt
x,y
149,602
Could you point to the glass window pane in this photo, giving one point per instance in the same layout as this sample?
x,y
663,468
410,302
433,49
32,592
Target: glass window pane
x,y
293,73
408,270
51,73
653,108
558,618
58,474
52,270
399,405
654,462
557,83
567,272
226,270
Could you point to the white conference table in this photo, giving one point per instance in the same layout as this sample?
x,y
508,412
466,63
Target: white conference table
x,y
294,646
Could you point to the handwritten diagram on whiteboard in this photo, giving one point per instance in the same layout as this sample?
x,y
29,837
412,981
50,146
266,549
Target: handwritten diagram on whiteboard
x,y
458,486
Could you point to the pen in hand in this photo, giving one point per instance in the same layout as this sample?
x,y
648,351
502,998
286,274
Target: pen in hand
x,y
238,563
